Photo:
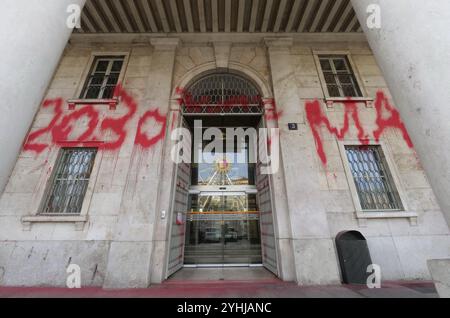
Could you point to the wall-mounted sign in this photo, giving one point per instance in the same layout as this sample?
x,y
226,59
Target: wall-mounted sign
x,y
293,126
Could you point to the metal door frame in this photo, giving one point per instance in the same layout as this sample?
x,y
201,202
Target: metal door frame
x,y
246,189
236,190
171,217
263,124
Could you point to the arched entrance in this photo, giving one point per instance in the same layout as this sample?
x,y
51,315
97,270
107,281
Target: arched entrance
x,y
222,205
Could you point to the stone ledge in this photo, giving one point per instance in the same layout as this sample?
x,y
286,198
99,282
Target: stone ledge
x,y
440,272
111,102
364,216
368,101
78,220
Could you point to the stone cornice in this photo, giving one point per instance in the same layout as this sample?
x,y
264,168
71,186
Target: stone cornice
x,y
235,38
165,44
277,42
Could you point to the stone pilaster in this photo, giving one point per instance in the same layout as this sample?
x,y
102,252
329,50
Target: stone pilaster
x,y
304,213
130,261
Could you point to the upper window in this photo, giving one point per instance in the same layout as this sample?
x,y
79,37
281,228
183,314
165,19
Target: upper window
x,y
103,77
69,181
373,180
339,76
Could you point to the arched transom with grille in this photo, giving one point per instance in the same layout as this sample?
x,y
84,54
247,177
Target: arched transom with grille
x,y
222,93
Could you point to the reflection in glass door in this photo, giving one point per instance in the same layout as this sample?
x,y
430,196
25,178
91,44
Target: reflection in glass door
x,y
222,228
231,167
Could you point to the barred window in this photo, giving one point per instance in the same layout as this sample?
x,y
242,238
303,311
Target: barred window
x,y
373,180
339,76
103,77
69,181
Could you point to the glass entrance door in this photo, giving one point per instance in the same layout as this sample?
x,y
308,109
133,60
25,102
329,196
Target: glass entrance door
x,y
222,228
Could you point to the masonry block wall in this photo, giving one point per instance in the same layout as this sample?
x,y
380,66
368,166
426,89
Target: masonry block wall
x,y
122,240
399,245
38,254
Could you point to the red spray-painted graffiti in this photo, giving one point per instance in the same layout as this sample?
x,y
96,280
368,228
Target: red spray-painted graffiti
x,y
187,99
316,118
226,104
61,127
142,139
271,111
30,145
118,125
61,131
206,104
393,121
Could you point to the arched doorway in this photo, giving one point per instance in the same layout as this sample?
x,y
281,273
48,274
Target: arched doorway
x,y
222,210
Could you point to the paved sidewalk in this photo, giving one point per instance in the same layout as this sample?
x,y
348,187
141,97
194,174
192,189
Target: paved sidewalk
x,y
234,289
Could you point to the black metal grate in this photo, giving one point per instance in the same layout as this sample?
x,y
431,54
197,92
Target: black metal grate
x,y
374,183
222,93
69,181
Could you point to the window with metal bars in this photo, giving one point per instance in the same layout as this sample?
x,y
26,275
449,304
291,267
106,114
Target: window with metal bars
x,y
373,180
69,181
222,93
103,77
339,76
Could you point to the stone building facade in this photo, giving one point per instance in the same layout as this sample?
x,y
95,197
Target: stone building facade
x,y
124,232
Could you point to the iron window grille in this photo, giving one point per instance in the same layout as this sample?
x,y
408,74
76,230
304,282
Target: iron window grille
x,y
373,180
103,77
339,77
222,93
69,181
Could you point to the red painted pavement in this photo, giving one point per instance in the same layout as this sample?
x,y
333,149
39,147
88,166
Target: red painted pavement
x,y
230,289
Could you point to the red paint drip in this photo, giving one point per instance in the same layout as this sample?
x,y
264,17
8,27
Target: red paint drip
x,y
174,120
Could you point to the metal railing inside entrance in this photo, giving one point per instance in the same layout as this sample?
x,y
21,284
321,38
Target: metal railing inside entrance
x,y
222,93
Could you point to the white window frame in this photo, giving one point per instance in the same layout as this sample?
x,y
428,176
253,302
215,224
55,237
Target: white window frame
x,y
88,69
46,179
376,214
329,99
